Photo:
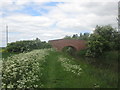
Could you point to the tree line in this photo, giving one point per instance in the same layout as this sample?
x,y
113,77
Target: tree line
x,y
27,45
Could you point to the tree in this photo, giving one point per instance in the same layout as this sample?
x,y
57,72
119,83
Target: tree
x,y
67,37
104,38
96,45
106,32
27,45
75,36
84,36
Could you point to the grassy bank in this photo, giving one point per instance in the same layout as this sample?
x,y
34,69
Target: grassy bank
x,y
55,76
60,70
108,59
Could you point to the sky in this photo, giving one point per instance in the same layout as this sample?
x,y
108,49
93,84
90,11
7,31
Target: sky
x,y
53,19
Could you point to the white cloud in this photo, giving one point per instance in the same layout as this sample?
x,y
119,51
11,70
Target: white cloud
x,y
84,16
22,27
63,19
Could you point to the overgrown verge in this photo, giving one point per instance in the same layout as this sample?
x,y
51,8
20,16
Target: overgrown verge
x,y
24,70
90,75
69,66
52,69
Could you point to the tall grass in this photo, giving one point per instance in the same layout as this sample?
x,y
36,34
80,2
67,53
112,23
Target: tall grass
x,y
108,76
90,77
61,70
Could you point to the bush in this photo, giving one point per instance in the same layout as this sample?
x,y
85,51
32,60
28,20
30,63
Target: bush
x,y
104,38
111,56
81,52
24,70
28,45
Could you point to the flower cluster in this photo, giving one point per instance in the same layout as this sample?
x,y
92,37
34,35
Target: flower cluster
x,y
23,70
0,66
68,66
0,71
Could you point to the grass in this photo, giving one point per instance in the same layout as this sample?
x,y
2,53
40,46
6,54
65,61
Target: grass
x,y
105,77
54,75
91,77
5,54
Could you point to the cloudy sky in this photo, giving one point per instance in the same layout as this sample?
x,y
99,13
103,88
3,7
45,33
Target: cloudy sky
x,y
53,19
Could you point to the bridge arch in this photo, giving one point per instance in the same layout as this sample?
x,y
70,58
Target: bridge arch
x,y
69,49
61,43
69,46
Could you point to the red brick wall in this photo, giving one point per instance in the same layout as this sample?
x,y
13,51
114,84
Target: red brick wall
x,y
61,43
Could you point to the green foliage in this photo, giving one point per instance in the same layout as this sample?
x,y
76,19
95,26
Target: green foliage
x,y
103,39
23,70
106,32
45,45
56,76
111,56
52,69
116,41
26,45
84,36
110,34
81,52
75,36
96,45
67,37
69,49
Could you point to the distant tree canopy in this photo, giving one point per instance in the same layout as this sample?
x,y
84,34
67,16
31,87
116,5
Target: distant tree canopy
x,y
84,36
26,45
67,37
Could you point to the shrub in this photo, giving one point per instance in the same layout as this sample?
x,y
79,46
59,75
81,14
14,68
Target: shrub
x,y
26,45
81,52
24,70
104,38
111,56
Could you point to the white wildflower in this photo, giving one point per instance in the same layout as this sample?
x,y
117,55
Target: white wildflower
x,y
68,66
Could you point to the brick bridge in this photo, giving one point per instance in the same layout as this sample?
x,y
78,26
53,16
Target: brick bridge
x,y
61,43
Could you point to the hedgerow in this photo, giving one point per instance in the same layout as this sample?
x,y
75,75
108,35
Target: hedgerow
x,y
26,45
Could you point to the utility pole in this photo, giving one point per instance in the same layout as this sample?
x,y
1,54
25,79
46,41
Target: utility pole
x,y
119,16
6,34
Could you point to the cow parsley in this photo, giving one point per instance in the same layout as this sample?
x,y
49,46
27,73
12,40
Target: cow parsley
x,y
68,66
23,70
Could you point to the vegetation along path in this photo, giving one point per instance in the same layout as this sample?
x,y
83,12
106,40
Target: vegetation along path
x,y
47,68
63,71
